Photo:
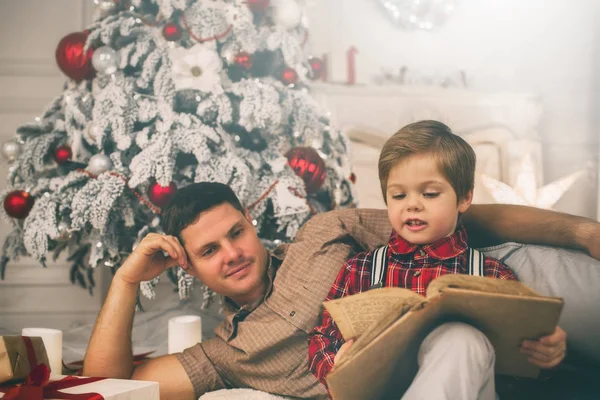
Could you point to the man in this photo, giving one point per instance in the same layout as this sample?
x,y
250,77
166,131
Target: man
x,y
272,302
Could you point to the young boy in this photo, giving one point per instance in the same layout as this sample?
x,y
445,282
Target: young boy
x,y
427,177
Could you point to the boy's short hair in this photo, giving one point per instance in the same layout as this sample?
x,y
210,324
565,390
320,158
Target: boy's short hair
x,y
190,201
454,156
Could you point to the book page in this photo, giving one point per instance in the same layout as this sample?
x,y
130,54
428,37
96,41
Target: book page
x,y
354,314
478,283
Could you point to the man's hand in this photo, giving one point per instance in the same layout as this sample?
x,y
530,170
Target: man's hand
x,y
547,352
345,347
148,260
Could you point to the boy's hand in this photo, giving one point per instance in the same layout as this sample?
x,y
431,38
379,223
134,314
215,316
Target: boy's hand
x,y
547,352
345,347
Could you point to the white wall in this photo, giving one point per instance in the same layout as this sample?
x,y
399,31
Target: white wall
x,y
29,80
547,47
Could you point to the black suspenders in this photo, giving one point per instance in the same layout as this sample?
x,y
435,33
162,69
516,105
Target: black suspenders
x,y
378,266
475,264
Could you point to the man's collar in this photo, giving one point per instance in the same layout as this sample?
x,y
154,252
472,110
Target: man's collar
x,y
442,249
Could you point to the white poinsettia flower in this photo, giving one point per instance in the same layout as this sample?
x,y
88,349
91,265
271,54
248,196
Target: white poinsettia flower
x,y
198,67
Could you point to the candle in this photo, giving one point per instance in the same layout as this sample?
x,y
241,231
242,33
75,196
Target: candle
x,y
325,72
52,339
184,331
351,65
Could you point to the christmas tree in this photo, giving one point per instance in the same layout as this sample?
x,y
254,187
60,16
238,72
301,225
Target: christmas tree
x,y
163,93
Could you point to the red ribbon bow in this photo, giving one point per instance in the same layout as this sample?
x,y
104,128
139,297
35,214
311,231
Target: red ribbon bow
x,y
37,387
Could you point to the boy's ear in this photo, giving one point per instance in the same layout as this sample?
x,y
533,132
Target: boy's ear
x,y
465,202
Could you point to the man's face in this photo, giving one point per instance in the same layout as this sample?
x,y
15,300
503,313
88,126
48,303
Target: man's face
x,y
226,254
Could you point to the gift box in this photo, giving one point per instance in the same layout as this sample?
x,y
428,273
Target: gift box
x,y
115,389
77,387
19,355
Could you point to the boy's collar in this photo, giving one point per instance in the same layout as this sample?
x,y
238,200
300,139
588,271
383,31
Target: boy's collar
x,y
442,249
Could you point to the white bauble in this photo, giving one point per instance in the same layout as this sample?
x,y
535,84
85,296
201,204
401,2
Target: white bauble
x,y
99,163
93,134
105,60
286,13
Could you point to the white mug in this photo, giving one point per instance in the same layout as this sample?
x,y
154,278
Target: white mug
x,y
184,331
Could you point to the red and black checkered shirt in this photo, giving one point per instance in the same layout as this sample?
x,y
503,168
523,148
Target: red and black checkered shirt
x,y
409,266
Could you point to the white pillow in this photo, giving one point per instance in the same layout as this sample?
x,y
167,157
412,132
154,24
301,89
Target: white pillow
x,y
367,191
569,274
240,394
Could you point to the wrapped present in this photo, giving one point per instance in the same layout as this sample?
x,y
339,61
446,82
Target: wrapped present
x,y
114,389
40,386
19,355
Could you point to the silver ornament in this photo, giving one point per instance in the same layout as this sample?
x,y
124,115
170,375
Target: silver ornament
x,y
11,150
63,232
99,163
105,60
104,7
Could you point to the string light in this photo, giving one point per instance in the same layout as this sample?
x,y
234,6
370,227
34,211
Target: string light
x,y
419,14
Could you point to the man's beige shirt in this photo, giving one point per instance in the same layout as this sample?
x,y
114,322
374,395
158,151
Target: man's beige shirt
x,y
266,348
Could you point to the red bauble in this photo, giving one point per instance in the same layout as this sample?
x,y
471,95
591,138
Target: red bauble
x,y
72,60
308,165
244,60
17,204
317,66
171,32
161,195
258,6
289,76
62,154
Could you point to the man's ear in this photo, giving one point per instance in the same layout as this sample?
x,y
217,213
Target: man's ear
x,y
465,202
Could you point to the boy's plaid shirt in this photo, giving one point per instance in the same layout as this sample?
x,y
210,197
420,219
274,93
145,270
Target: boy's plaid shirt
x,y
409,266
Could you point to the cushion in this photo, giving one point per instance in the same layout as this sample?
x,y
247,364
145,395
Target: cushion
x,y
569,274
240,394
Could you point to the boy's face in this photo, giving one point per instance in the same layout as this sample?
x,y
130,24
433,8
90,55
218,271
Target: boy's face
x,y
422,205
226,254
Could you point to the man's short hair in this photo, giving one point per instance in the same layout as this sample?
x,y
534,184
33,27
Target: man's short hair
x,y
190,201
454,156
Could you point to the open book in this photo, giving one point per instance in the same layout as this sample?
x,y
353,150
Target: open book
x,y
390,323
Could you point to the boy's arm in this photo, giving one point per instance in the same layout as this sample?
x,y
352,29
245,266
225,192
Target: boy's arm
x,y
323,344
326,339
490,224
496,269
